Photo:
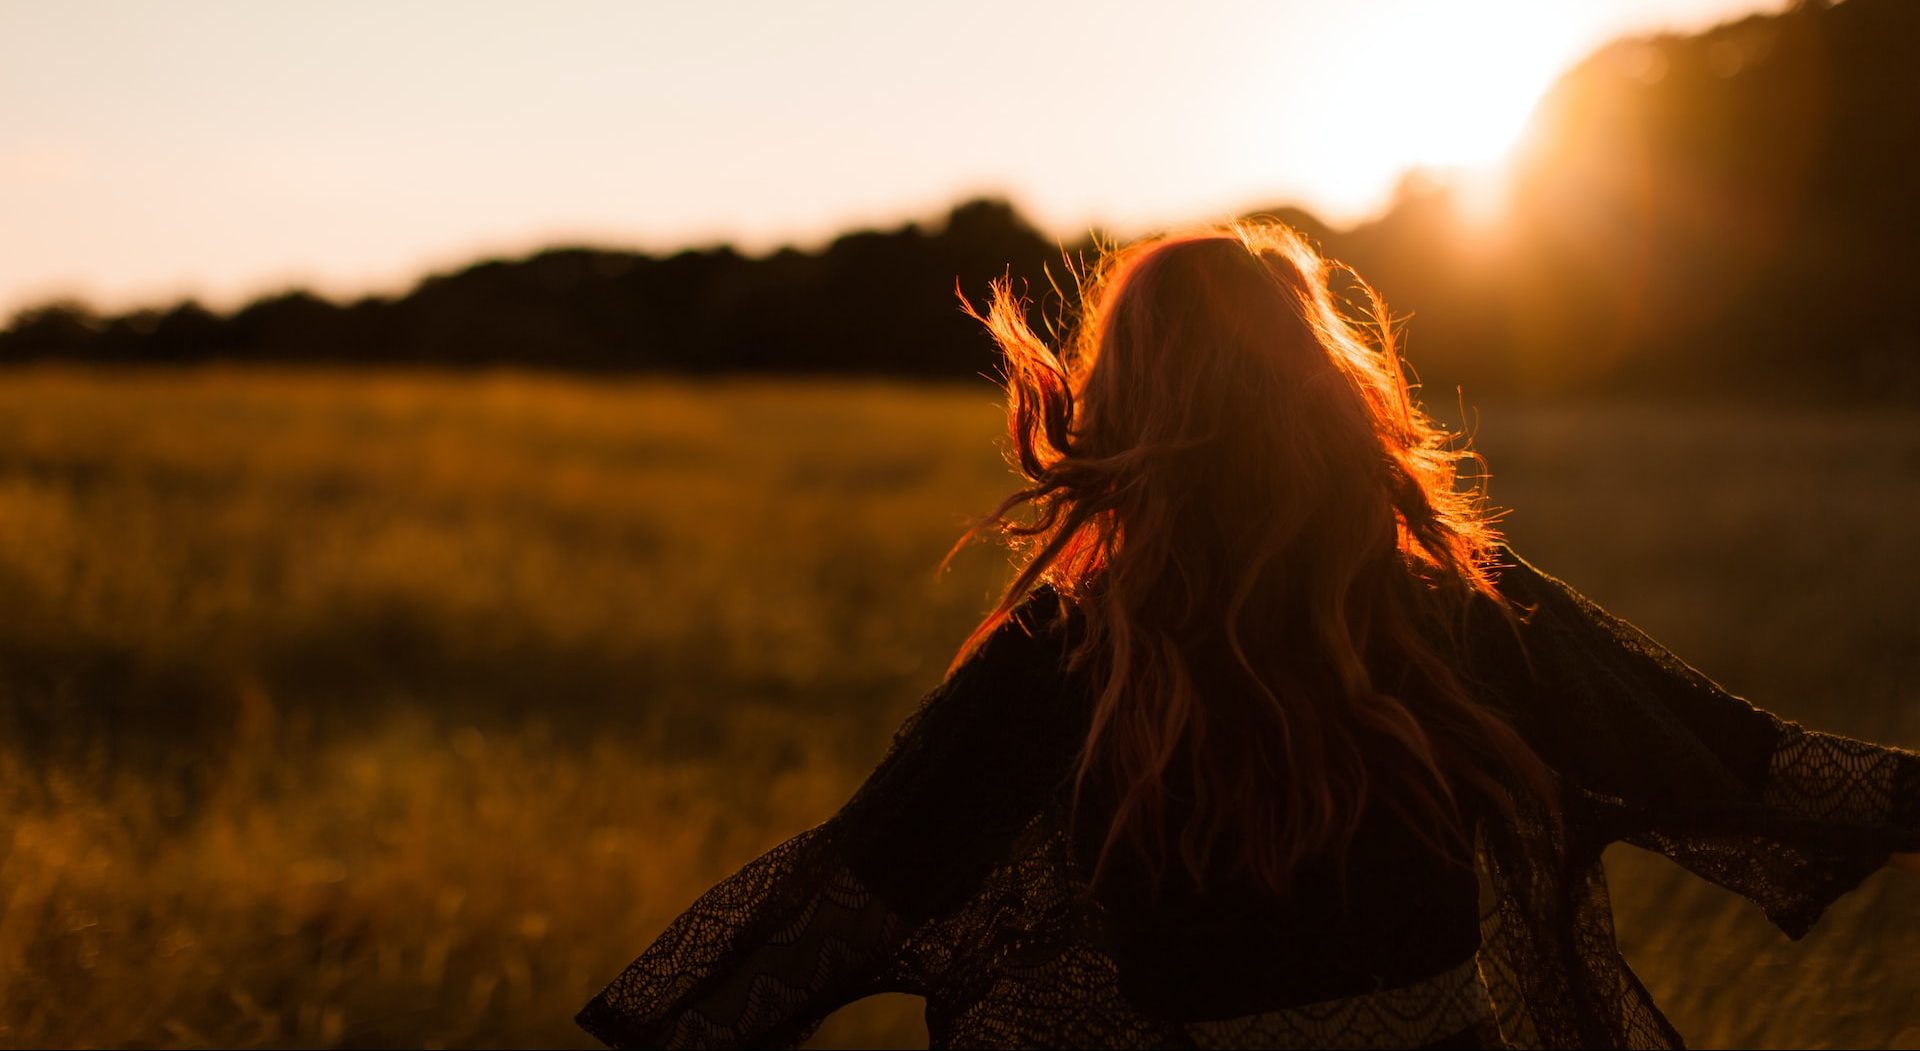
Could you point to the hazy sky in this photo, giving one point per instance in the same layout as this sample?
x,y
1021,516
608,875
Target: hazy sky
x,y
224,149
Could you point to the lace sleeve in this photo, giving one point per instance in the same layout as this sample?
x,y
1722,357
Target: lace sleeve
x,y
1829,812
1788,817
831,915
757,961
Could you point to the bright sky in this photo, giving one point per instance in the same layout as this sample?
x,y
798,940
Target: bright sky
x,y
226,149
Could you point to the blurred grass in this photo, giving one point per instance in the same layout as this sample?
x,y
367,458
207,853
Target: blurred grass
x,y
402,709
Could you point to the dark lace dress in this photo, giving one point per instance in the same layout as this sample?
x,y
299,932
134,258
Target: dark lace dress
x,y
952,874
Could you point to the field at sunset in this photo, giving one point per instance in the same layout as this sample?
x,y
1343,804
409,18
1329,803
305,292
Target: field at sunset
x,y
402,709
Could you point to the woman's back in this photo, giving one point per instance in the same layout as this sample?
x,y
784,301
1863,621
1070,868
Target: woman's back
x,y
1005,738
1392,913
1388,911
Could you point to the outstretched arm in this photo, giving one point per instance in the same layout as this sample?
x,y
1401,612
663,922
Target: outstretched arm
x,y
831,915
1787,816
757,961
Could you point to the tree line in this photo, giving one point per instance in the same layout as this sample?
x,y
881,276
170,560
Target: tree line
x,y
1727,210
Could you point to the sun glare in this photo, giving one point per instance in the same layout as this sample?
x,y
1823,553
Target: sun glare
x,y
1446,88
1468,89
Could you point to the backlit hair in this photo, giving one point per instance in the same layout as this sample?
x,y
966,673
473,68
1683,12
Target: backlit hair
x,y
1230,480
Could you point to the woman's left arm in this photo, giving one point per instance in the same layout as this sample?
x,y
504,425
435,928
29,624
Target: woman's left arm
x,y
1789,817
832,915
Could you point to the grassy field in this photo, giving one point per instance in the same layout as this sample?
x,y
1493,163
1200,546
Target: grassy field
x,y
402,710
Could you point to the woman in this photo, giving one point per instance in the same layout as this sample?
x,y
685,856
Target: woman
x,y
1270,742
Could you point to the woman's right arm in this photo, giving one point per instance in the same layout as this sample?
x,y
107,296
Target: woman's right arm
x,y
830,915
759,960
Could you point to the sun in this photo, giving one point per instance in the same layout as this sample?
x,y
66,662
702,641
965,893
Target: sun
x,y
1446,88
1469,88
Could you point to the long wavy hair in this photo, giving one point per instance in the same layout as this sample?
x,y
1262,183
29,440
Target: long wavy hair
x,y
1269,543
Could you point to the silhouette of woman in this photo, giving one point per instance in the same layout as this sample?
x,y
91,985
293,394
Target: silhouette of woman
x,y
1271,742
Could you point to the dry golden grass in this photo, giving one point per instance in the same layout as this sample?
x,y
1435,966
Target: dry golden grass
x,y
403,709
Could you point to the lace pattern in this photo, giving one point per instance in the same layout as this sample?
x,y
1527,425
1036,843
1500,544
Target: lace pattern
x,y
951,875
1448,1004
760,958
1823,777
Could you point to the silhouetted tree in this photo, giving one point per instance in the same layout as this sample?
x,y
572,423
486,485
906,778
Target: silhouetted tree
x,y
60,329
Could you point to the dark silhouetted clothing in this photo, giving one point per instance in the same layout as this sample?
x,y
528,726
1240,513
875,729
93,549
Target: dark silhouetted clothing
x,y
953,874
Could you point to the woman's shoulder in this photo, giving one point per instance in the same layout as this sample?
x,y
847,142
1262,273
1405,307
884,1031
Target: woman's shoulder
x,y
1045,617
1027,653
1521,582
1536,647
983,752
1018,676
1534,608
1558,625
